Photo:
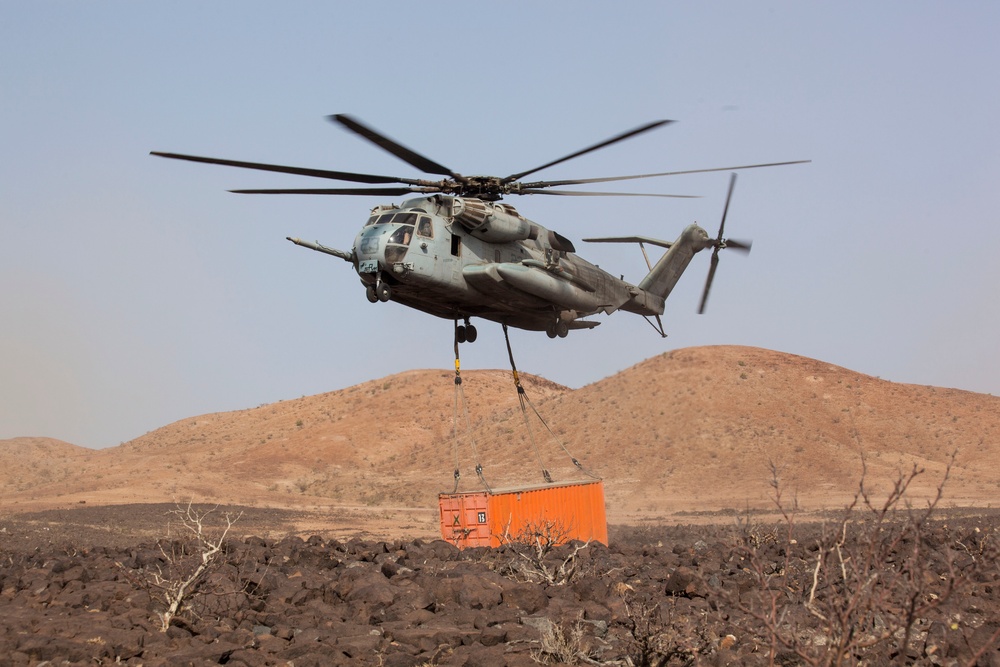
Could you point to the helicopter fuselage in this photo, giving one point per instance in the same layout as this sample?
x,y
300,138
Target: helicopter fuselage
x,y
456,258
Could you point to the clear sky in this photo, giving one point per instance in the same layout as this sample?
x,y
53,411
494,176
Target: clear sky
x,y
135,291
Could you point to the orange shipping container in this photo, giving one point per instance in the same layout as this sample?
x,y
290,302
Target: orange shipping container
x,y
568,511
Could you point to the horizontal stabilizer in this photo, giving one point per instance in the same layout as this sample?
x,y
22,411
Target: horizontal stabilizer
x,y
631,239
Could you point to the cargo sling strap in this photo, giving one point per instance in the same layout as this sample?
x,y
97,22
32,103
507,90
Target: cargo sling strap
x,y
522,397
460,397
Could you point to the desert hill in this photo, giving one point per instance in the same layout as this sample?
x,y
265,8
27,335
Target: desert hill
x,y
28,462
693,430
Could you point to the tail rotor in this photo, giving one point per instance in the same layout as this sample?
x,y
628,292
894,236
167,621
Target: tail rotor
x,y
720,243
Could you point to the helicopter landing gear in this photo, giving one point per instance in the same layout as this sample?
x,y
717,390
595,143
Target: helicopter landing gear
x,y
557,328
380,291
465,333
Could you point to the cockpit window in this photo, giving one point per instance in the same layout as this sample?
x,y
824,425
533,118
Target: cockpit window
x,y
402,235
384,218
371,221
405,218
425,228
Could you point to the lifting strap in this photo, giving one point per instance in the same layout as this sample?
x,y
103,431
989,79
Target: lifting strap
x,y
460,396
522,397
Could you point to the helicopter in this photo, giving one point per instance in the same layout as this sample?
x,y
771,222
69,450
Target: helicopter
x,y
457,251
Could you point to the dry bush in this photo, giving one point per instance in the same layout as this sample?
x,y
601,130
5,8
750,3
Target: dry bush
x,y
539,552
657,634
182,578
571,645
868,586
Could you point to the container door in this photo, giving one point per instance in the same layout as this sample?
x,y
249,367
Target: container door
x,y
464,519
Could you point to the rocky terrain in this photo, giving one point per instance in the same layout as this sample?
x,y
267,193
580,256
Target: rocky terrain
x,y
880,585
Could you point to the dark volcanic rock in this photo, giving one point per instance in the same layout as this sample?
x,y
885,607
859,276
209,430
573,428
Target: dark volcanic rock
x,y
702,599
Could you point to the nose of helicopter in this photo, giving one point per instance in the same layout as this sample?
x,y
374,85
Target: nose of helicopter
x,y
385,244
368,244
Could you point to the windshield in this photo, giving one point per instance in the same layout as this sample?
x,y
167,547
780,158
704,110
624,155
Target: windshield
x,y
386,218
402,235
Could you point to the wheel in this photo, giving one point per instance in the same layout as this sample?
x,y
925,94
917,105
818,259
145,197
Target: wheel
x,y
384,292
562,329
370,293
461,334
471,334
550,330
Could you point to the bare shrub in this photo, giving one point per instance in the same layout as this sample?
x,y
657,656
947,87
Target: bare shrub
x,y
540,552
184,570
658,634
570,645
872,581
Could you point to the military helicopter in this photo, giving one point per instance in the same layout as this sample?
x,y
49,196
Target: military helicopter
x,y
457,252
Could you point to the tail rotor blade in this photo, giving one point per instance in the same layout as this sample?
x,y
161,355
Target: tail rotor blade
x,y
708,282
742,246
725,211
719,244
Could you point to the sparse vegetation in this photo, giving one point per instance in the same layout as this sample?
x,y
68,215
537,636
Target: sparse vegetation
x,y
871,584
566,644
179,577
540,552
656,634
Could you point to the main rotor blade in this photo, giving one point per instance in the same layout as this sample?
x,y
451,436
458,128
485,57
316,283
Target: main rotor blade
x,y
612,140
380,192
708,283
574,193
385,143
300,171
582,181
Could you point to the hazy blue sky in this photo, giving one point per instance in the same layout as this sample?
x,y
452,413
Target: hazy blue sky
x,y
135,291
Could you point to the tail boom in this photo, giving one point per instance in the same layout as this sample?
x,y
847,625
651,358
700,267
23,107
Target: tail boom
x,y
661,280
